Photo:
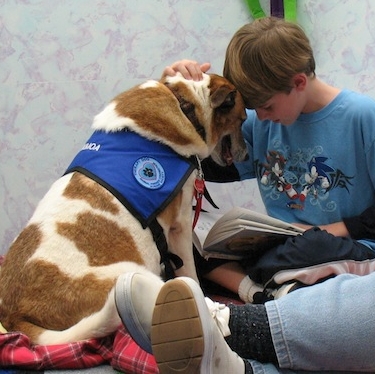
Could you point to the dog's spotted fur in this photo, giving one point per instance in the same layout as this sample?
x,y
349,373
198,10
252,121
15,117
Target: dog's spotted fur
x,y
56,283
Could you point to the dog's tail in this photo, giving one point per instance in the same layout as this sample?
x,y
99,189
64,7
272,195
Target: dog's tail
x,y
100,324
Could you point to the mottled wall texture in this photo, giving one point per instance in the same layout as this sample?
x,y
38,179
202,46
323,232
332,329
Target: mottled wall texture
x,y
62,61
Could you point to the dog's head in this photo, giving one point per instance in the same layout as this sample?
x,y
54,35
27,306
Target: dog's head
x,y
199,118
229,114
216,110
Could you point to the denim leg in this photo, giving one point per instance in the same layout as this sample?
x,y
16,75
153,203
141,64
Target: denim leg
x,y
259,368
328,326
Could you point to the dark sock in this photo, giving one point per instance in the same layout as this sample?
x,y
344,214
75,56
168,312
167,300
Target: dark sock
x,y
250,333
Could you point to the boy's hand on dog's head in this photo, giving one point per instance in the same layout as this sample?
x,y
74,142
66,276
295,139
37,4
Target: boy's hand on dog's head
x,y
189,69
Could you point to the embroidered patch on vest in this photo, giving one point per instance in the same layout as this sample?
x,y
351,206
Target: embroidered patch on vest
x,y
149,173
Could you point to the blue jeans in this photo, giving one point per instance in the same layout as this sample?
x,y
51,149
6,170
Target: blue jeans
x,y
326,327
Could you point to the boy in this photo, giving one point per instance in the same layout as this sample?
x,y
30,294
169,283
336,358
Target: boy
x,y
311,148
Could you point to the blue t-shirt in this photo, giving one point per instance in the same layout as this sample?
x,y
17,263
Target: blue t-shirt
x,y
319,169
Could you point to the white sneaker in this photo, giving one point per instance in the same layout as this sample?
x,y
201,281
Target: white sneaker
x,y
285,289
185,338
135,295
220,314
247,289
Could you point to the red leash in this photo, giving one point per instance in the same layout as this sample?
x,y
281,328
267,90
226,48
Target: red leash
x,y
198,192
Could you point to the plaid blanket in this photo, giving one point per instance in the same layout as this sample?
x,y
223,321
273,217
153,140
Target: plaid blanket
x,y
118,350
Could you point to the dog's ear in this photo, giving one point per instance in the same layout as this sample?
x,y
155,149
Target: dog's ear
x,y
223,97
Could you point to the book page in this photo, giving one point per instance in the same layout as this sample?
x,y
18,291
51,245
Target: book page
x,y
242,242
254,218
205,222
243,193
230,228
226,196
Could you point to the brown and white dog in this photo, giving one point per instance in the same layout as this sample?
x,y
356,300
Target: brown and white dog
x,y
57,281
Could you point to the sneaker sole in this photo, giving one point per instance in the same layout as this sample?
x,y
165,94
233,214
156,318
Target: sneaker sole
x,y
176,332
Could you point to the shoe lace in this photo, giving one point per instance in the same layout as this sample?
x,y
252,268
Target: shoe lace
x,y
220,314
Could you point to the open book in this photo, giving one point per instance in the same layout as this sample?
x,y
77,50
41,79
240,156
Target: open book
x,y
238,232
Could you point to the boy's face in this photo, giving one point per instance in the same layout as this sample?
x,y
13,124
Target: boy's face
x,y
284,107
281,108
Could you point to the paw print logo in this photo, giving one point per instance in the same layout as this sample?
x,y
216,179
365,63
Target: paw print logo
x,y
148,172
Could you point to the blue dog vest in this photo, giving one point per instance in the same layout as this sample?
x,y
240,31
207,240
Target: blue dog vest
x,y
143,175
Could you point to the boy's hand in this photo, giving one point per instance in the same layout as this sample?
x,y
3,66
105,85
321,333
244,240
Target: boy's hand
x,y
189,69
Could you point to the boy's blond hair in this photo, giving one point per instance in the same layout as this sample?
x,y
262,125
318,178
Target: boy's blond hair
x,y
263,57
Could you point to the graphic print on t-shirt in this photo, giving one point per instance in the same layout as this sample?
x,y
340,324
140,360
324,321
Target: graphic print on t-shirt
x,y
303,181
